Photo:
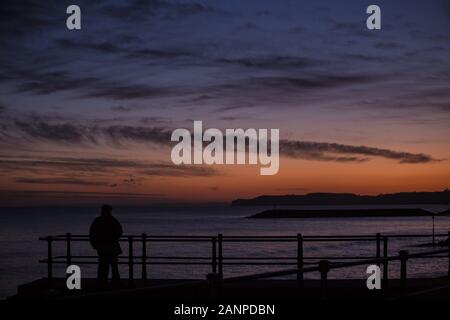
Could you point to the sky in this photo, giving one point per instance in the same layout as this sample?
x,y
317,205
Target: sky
x,y
86,115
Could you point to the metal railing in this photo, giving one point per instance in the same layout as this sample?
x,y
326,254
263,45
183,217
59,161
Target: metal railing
x,y
217,260
325,266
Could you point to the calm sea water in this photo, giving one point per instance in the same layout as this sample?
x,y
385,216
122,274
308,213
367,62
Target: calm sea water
x,y
20,229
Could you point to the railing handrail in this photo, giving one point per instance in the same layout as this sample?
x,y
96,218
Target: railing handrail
x,y
76,237
217,260
273,274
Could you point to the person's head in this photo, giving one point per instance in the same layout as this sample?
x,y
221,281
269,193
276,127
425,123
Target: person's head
x,y
106,210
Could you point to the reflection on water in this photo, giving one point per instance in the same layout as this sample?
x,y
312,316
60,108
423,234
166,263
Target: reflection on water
x,y
20,228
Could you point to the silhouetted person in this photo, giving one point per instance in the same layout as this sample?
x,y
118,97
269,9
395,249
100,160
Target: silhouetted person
x,y
104,236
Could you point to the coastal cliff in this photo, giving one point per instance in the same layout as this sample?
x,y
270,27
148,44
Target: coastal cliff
x,y
402,198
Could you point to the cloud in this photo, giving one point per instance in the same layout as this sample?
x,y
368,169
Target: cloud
x,y
99,47
445,7
123,108
155,119
95,168
45,83
140,10
188,9
272,62
112,48
230,118
21,17
64,181
116,135
364,57
158,135
324,151
132,10
63,165
63,132
41,83
147,53
284,91
38,193
314,82
352,29
387,45
125,92
179,171
63,197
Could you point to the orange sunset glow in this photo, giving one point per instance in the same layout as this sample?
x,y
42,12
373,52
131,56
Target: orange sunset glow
x,y
87,117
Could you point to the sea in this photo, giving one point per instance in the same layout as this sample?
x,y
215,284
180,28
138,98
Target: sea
x,y
21,227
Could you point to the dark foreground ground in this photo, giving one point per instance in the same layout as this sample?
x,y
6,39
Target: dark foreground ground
x,y
259,291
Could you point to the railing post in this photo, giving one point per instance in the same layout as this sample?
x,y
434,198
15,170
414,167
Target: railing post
x,y
215,284
324,267
68,249
403,269
214,254
378,253
144,256
385,263
130,260
220,258
299,260
49,261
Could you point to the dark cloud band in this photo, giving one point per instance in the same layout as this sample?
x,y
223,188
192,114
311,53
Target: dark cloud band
x,y
67,133
324,151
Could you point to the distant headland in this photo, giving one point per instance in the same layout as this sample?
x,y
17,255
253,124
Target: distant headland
x,y
323,199
336,213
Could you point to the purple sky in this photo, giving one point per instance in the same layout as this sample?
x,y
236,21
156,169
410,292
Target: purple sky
x,y
139,69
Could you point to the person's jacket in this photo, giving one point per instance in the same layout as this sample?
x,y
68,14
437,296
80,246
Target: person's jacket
x,y
104,235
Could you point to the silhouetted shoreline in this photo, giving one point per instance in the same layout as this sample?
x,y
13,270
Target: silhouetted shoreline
x,y
322,199
340,213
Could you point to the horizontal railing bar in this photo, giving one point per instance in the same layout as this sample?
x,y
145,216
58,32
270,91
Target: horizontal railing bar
x,y
415,255
306,236
130,235
335,238
246,237
293,240
428,253
381,260
127,263
415,235
137,240
348,264
136,257
295,258
332,266
259,263
224,258
272,274
250,237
